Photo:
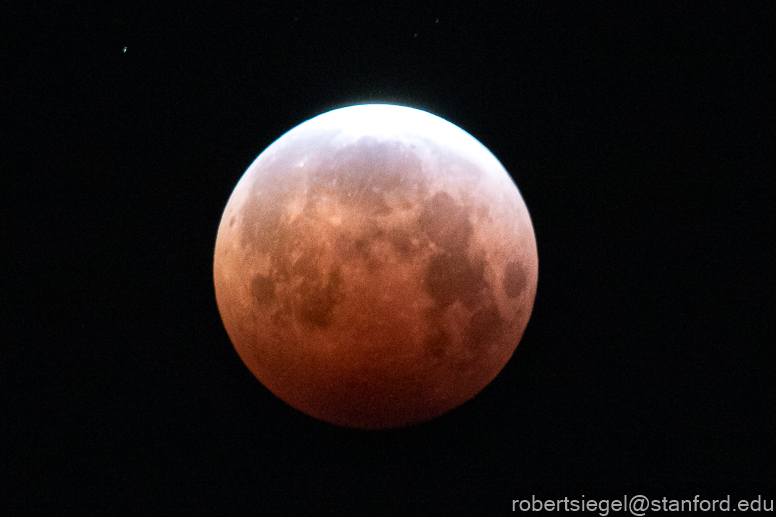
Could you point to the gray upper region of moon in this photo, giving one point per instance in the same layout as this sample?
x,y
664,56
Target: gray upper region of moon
x,y
376,266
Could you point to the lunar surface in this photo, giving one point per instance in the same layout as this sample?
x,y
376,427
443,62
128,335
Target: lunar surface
x,y
375,267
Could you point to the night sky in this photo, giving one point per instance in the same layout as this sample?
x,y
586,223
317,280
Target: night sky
x,y
640,138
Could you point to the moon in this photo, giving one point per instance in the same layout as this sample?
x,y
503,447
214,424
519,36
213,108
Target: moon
x,y
375,267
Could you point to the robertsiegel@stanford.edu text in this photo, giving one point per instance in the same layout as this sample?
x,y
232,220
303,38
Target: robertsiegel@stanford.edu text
x,y
640,505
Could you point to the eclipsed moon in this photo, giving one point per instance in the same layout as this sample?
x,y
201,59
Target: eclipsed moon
x,y
375,267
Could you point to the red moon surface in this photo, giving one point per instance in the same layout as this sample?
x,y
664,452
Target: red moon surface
x,y
375,267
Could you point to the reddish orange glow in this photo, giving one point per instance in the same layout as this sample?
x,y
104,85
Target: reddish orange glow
x,y
375,275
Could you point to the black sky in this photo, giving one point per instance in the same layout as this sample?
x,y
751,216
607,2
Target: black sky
x,y
641,140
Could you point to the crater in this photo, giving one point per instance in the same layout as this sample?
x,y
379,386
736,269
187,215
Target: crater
x,y
446,223
306,264
438,341
437,344
485,325
362,173
263,289
451,276
514,280
271,183
317,299
403,243
262,215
